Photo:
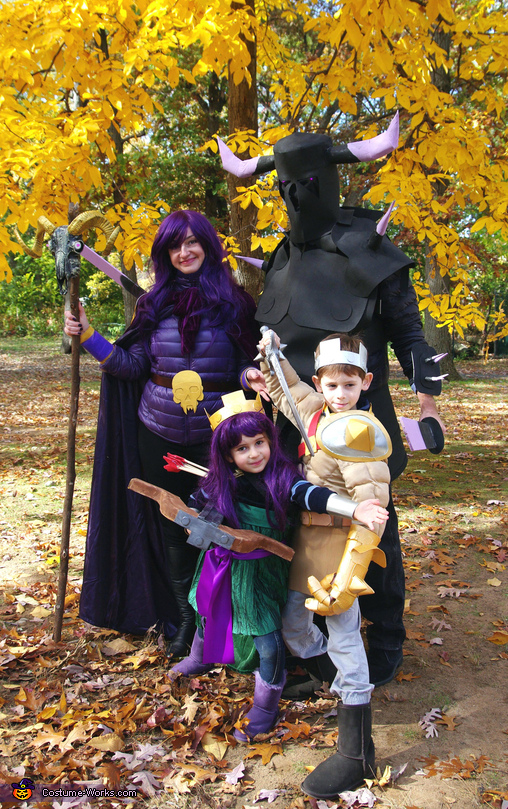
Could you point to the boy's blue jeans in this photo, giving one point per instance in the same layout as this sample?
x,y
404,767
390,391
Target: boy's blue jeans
x,y
344,646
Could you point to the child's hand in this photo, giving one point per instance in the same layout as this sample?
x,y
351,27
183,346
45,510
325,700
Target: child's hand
x,y
265,341
369,512
256,380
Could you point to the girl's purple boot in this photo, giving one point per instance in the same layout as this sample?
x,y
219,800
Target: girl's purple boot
x,y
193,663
265,709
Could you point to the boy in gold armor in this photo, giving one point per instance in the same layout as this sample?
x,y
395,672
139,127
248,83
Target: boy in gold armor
x,y
332,554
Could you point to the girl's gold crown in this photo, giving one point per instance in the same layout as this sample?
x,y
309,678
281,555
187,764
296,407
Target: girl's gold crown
x,y
234,403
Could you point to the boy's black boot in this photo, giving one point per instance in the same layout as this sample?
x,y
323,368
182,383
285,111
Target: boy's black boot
x,y
355,757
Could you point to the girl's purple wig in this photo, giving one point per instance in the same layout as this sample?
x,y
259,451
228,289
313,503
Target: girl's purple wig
x,y
216,293
221,485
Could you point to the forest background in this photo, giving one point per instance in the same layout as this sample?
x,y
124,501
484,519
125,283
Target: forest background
x,y
114,106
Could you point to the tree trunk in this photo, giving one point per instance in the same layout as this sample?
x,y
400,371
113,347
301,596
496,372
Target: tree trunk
x,y
119,196
438,338
216,207
129,301
243,114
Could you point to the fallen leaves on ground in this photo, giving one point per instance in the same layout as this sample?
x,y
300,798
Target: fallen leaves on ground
x,y
455,767
98,707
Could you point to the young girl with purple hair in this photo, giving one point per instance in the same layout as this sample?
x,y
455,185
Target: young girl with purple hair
x,y
191,340
239,594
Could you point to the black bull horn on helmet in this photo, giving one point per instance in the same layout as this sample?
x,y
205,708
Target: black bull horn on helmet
x,y
308,180
62,242
324,274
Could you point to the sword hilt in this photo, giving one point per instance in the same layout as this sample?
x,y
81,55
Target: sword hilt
x,y
271,349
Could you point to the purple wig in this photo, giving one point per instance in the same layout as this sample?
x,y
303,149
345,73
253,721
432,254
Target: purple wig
x,y
221,485
213,292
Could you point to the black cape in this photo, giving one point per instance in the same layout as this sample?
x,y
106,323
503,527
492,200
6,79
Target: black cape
x,y
125,586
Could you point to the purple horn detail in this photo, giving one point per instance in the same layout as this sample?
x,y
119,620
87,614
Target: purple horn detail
x,y
377,237
243,168
256,262
364,150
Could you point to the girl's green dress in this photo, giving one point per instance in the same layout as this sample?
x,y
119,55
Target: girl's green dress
x,y
259,589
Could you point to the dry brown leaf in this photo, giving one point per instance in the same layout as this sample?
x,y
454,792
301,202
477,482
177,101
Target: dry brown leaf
x,y
494,798
448,721
296,731
499,637
41,612
109,743
266,751
139,659
111,774
412,635
116,647
177,782
200,775
214,746
409,677
51,737
79,733
191,707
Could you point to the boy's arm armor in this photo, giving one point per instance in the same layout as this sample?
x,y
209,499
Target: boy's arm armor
x,y
337,591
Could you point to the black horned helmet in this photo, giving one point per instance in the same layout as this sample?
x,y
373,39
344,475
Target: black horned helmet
x,y
308,180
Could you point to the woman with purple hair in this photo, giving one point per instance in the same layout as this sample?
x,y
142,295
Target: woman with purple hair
x,y
193,338
242,594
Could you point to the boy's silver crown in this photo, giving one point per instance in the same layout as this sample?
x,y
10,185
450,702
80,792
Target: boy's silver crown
x,y
329,352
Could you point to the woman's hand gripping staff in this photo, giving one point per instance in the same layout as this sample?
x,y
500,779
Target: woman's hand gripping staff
x,y
337,591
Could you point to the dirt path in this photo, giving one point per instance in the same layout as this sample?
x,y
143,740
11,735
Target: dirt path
x,y
453,515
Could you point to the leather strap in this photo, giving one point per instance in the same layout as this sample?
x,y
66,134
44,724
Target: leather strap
x,y
324,520
208,387
311,432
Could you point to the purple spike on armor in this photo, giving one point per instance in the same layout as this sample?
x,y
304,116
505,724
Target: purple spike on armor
x,y
256,262
383,222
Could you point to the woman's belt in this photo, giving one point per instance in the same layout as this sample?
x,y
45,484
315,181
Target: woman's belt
x,y
326,520
208,387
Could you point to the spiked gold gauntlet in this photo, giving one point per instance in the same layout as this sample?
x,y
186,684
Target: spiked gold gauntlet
x,y
337,591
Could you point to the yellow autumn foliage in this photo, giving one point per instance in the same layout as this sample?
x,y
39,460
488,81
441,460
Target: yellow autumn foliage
x,y
74,72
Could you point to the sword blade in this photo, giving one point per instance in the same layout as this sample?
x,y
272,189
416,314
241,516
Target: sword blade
x,y
272,359
111,271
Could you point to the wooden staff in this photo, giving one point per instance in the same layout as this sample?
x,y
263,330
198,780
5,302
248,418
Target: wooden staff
x,y
71,464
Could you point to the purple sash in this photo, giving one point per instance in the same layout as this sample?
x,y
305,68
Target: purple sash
x,y
213,598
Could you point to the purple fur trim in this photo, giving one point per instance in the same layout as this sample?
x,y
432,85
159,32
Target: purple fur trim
x,y
98,346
